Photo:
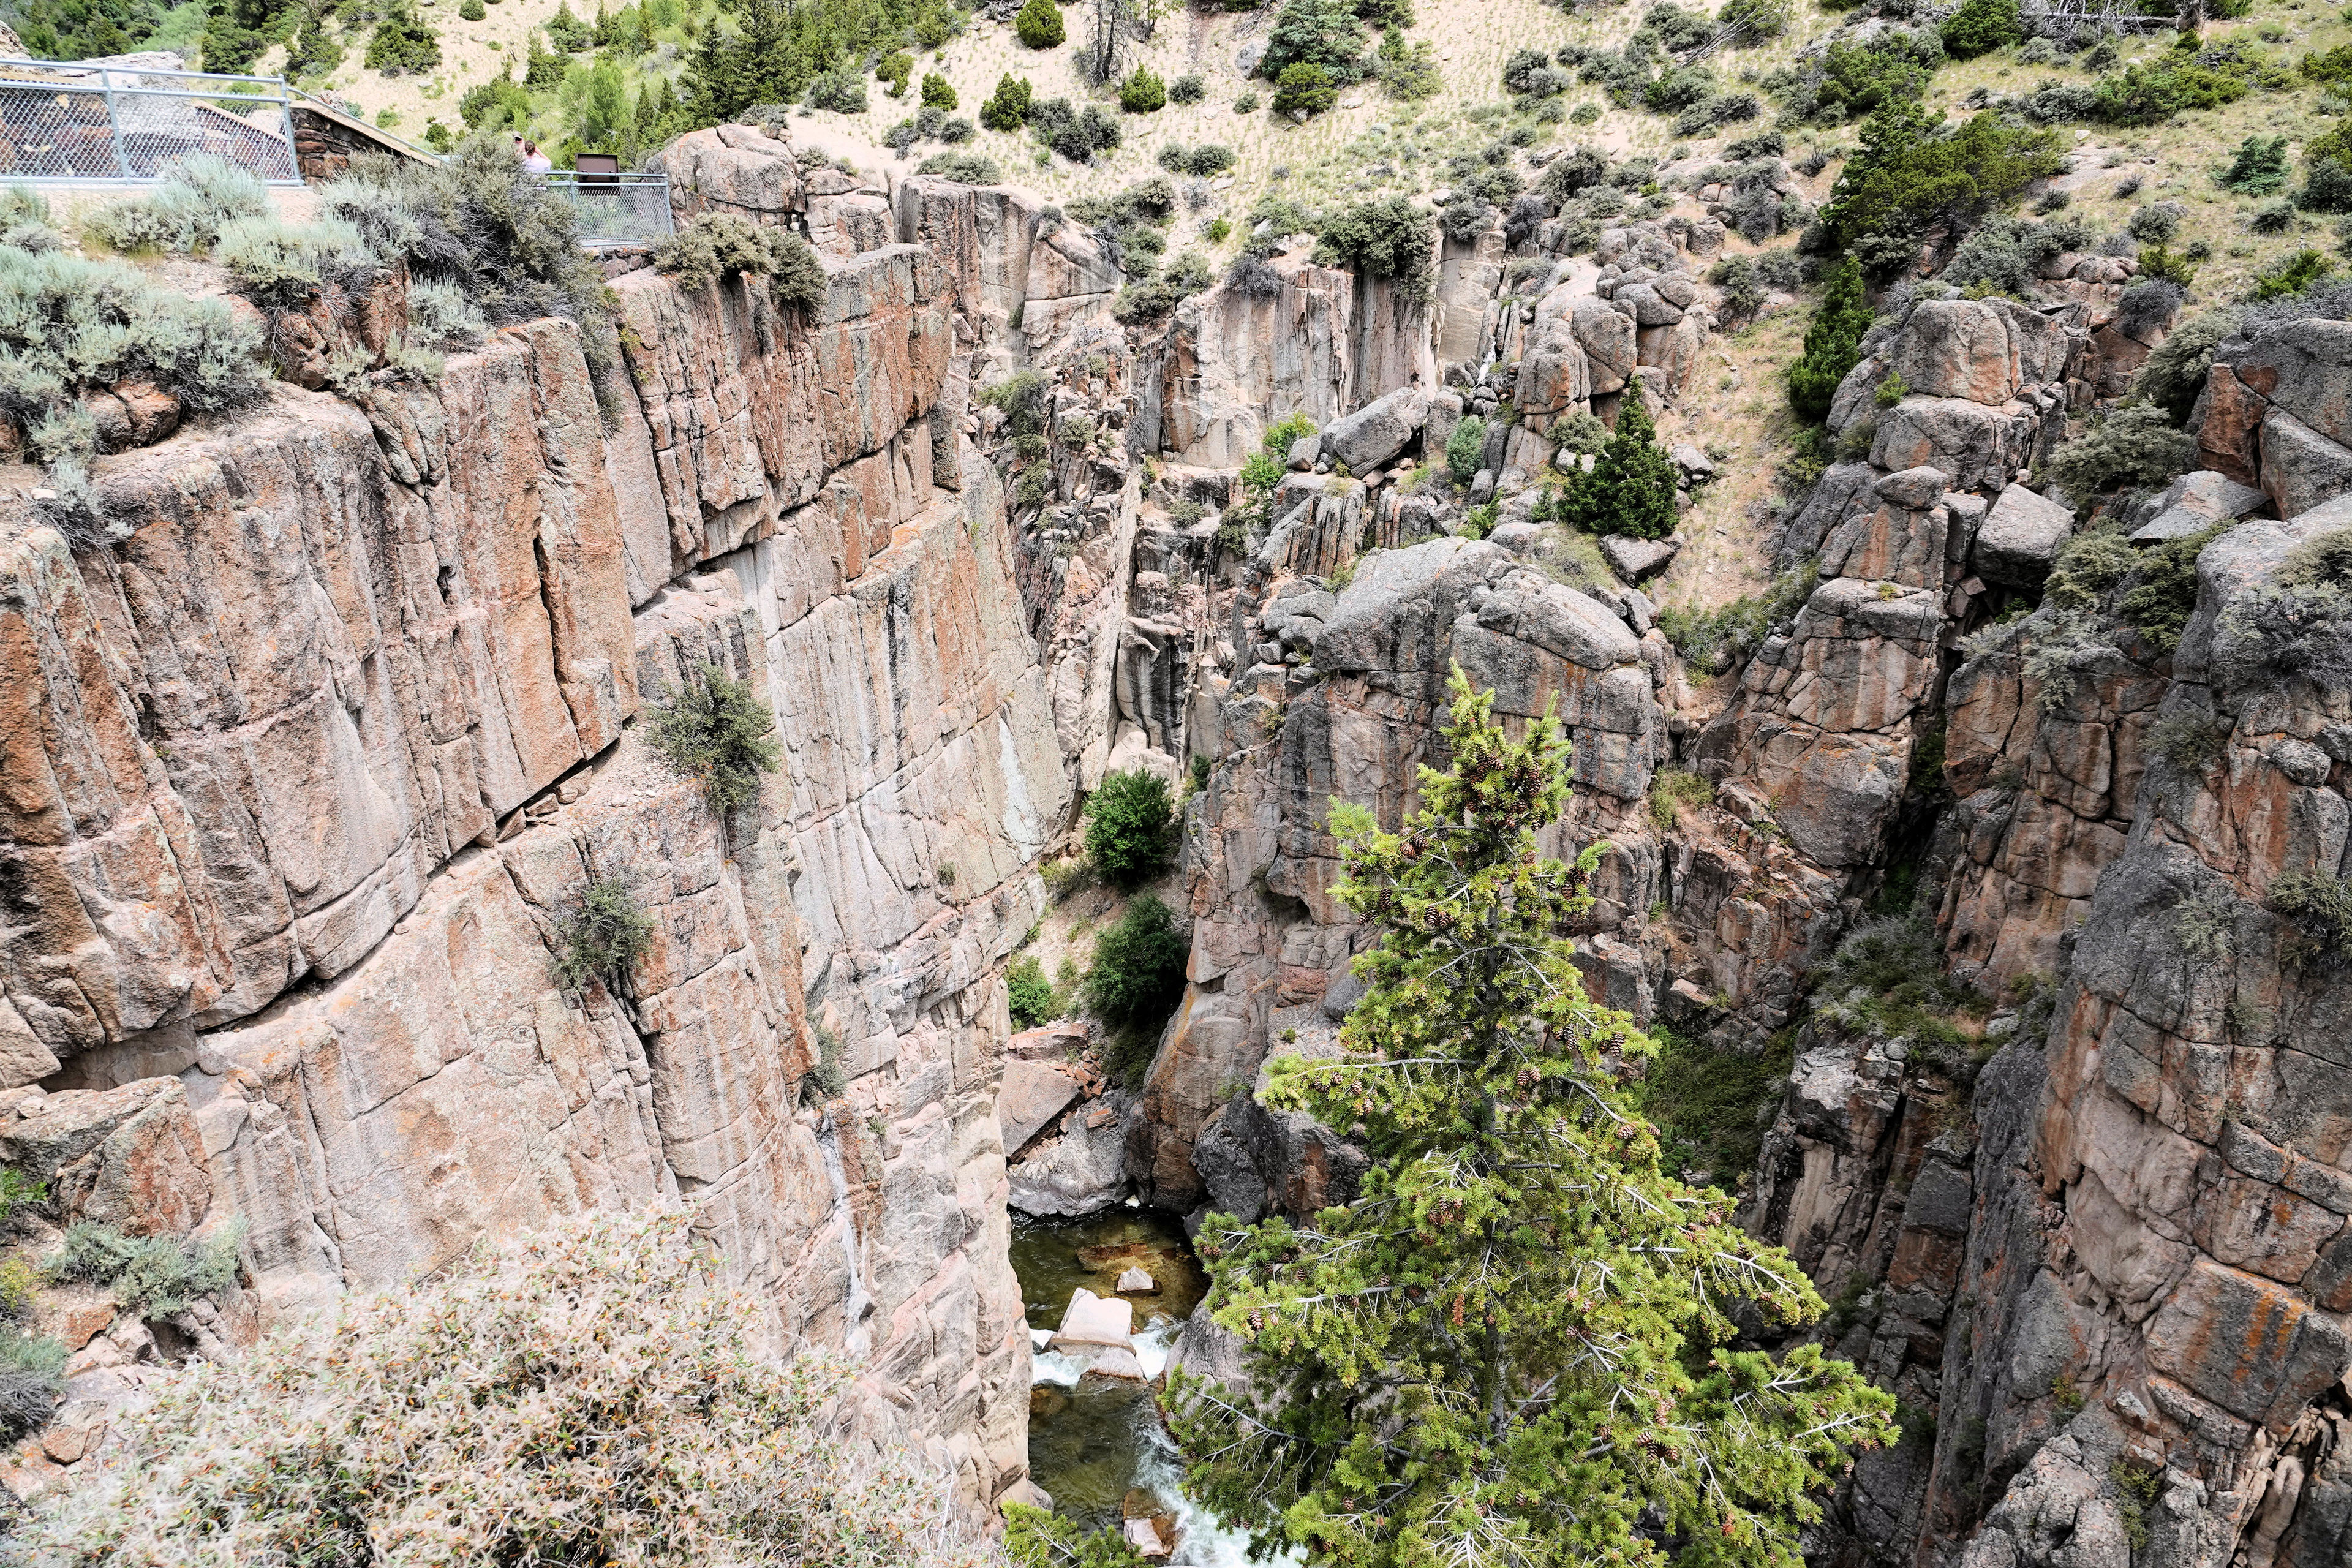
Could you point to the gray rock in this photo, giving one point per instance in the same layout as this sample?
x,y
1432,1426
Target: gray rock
x,y
1032,1095
1305,451
2302,468
2310,361
1636,559
2020,537
1692,461
2195,502
1378,431
1531,609
1915,489
1399,601
1136,1282
1519,538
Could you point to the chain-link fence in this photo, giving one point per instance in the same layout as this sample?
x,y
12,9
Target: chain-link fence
x,y
83,122
616,208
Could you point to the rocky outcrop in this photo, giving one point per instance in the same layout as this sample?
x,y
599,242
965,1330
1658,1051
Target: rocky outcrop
x,y
314,766
1352,720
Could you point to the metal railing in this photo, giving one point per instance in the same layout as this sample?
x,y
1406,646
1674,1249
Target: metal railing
x,y
616,208
60,121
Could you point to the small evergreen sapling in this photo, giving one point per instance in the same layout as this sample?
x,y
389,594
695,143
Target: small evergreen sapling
x,y
1832,344
1513,1341
1631,489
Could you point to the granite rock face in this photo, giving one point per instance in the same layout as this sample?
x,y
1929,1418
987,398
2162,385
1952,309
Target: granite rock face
x,y
314,766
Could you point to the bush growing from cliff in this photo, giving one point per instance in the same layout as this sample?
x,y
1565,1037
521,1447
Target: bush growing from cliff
x,y
1384,237
2175,371
1137,976
600,941
403,43
1458,1337
2298,625
32,1380
717,731
1033,999
2134,446
1145,91
598,1393
1129,825
1463,447
150,1276
1631,487
1832,342
1040,25
1712,641
1710,1107
720,245
1887,982
2318,904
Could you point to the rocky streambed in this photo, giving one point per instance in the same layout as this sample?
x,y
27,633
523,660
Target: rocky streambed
x,y
1107,1295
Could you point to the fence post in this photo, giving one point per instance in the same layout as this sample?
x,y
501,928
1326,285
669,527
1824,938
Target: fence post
x,y
114,125
286,115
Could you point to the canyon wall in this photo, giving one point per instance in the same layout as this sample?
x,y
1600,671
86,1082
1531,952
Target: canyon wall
x,y
311,767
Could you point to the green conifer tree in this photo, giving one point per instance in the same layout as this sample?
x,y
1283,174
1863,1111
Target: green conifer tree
x,y
1631,489
1832,344
1518,1335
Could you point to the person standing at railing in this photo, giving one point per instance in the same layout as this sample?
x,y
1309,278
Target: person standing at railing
x,y
535,162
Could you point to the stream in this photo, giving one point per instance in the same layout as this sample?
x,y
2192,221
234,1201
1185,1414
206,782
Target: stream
x,y
1096,1443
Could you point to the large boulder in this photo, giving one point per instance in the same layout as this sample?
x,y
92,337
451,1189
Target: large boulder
x,y
1032,1095
128,1157
2021,538
1391,614
1378,431
2195,502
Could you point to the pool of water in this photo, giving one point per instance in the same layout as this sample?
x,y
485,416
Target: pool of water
x,y
1097,1444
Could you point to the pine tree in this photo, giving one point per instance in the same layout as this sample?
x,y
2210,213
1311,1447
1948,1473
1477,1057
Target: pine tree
x,y
1832,344
1631,489
1517,1336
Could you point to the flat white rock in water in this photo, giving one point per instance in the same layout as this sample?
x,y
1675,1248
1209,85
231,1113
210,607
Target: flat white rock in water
x,y
1136,1282
1116,1361
1144,1536
1092,1320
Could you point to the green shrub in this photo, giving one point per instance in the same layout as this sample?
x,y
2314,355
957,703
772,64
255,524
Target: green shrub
x,y
2135,445
717,732
837,93
1144,92
1463,448
1007,109
1981,26
1887,982
969,168
1039,24
1128,823
1631,487
32,1381
282,266
2187,741
1303,89
2258,168
1911,174
2318,904
477,221
1021,398
2163,594
1030,995
150,1276
1711,1107
487,1413
1138,971
1712,641
1384,237
19,1191
186,210
1187,89
1832,342
2294,275
2175,372
938,92
567,33
1076,133
2300,625
1325,34
600,941
1672,790
2148,94
1245,102
403,43
720,245
894,70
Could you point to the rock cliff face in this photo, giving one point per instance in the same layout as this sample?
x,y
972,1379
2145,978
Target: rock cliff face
x,y
310,768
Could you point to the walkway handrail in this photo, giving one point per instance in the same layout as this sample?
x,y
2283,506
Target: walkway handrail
x,y
75,121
